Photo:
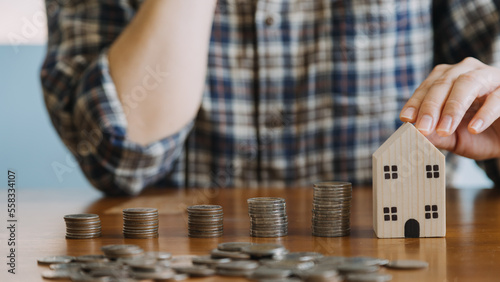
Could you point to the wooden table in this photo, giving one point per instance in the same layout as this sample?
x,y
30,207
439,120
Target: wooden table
x,y
470,251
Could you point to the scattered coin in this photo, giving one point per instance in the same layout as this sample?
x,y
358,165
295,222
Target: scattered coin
x,y
216,253
56,274
407,264
368,260
299,256
122,251
237,268
205,221
368,277
196,271
320,275
159,255
357,268
264,250
268,217
264,272
55,259
287,264
209,261
91,258
331,209
233,246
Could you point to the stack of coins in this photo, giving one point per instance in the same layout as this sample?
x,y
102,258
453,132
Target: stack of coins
x,y
82,226
331,209
205,221
140,223
267,217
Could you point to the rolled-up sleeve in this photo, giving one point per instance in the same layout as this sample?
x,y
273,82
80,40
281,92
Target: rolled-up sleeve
x,y
83,103
464,28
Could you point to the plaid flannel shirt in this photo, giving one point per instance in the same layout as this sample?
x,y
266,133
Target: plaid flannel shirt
x,y
296,91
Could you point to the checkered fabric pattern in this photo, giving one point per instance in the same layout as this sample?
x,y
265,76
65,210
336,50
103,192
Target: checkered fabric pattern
x,y
296,91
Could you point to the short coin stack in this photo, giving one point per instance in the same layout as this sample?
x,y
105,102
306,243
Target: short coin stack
x,y
205,221
331,209
82,226
268,217
140,223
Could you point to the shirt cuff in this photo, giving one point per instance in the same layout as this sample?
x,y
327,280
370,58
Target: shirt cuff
x,y
113,163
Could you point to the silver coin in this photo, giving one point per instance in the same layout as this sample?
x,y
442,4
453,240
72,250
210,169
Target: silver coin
x,y
257,200
234,273
319,275
55,259
300,256
56,274
69,265
209,261
83,277
263,272
368,277
357,268
261,250
91,258
158,255
331,260
233,246
140,210
216,253
239,265
122,249
81,216
162,274
196,271
407,264
287,264
367,260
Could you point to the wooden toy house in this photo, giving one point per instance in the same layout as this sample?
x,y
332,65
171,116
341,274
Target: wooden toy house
x,y
408,187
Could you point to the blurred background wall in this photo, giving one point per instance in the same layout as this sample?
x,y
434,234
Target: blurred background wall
x,y
28,142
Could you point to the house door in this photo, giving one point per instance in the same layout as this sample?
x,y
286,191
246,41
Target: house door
x,y
412,228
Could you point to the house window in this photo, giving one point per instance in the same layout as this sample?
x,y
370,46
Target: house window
x,y
390,214
431,211
391,172
432,171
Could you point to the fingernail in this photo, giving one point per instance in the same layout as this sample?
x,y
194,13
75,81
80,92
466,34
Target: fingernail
x,y
445,124
477,125
408,113
425,123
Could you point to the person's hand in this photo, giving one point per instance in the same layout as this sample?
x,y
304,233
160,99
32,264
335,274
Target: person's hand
x,y
457,107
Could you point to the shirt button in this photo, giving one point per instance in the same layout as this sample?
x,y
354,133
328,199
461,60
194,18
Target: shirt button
x,y
269,21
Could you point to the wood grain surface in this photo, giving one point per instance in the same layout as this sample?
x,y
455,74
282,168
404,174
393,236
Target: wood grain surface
x,y
469,252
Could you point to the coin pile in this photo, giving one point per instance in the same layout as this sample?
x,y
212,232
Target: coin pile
x,y
268,217
258,262
82,226
331,209
205,221
140,223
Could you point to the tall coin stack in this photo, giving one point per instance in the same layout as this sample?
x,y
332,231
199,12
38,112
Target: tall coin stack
x,y
82,226
331,209
205,221
267,217
140,223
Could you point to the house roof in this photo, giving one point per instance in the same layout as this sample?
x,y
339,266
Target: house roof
x,y
395,136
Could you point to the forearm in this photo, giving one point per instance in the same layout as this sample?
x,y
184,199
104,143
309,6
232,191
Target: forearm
x,y
171,36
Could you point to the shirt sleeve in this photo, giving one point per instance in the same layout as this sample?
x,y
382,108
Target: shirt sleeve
x,y
83,103
464,28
